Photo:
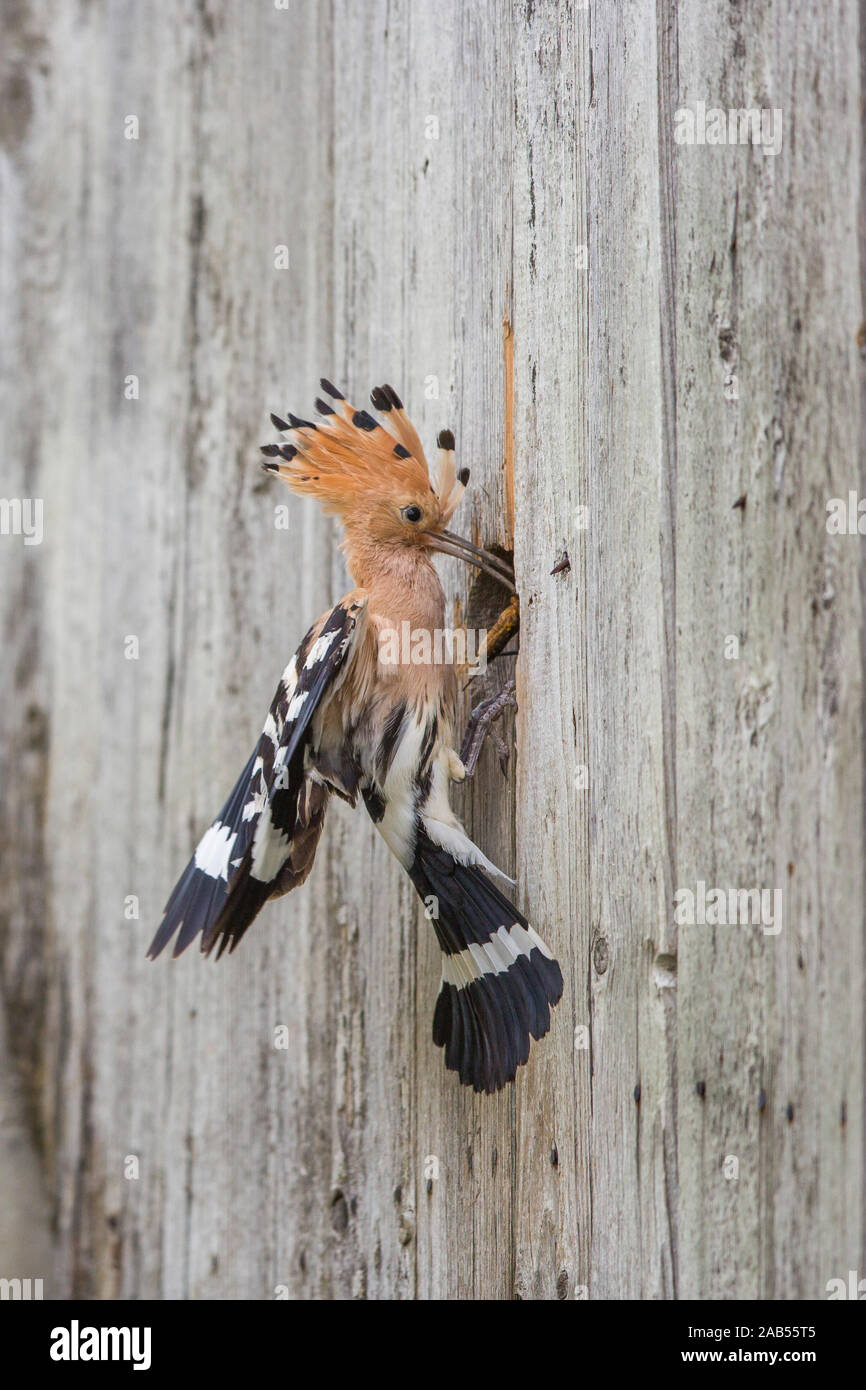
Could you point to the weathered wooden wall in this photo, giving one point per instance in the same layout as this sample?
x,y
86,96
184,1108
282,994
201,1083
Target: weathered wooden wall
x,y
484,203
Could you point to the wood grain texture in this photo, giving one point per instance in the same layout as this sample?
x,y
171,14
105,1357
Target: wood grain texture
x,y
769,756
485,205
629,663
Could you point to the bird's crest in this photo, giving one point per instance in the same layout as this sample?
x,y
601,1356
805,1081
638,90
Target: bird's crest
x,y
348,456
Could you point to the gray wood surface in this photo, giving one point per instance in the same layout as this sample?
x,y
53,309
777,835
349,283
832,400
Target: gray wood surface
x,y
485,204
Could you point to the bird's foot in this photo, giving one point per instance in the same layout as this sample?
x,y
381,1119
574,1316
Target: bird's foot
x,y
480,725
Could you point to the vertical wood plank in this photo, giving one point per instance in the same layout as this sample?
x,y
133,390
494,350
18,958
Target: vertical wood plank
x,y
632,957
550,326
769,757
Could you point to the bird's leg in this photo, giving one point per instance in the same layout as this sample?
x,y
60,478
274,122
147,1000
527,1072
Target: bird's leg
x,y
480,724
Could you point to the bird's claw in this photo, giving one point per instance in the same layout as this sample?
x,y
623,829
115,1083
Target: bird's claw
x,y
481,720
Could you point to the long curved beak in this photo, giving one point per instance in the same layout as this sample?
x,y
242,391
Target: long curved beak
x,y
449,544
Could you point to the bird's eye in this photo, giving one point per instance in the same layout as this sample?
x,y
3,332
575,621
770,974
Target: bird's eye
x,y
411,513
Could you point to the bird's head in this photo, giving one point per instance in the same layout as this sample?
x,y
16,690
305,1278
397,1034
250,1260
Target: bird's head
x,y
374,475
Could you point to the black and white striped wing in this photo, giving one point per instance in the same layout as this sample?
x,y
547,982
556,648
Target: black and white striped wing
x,y
264,839
199,894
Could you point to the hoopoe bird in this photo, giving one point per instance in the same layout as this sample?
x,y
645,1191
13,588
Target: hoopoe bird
x,y
345,721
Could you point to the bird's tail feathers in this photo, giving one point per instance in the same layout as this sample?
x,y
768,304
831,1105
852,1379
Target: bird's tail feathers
x,y
499,980
453,839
